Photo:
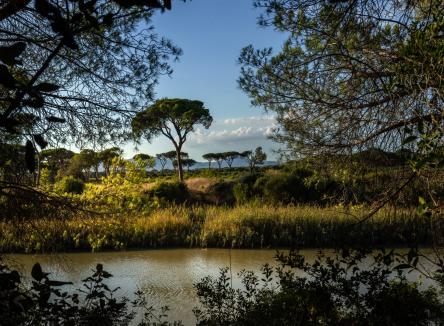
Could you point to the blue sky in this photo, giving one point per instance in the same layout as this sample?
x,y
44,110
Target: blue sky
x,y
211,34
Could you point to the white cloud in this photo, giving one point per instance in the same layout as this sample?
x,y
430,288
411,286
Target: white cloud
x,y
250,120
221,133
236,134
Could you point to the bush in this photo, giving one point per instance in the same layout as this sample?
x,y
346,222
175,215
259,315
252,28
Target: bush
x,y
170,192
298,186
244,190
70,185
44,302
333,290
283,188
221,193
241,193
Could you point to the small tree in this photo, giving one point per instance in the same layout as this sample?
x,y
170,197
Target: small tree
x,y
219,158
162,160
254,158
145,159
229,157
209,157
188,162
173,118
183,156
79,166
143,162
106,157
90,160
55,159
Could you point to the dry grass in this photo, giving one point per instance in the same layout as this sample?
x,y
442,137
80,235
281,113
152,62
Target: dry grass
x,y
200,184
247,226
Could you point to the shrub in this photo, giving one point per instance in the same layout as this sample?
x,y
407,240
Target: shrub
x,y
283,188
241,193
170,192
44,302
249,179
221,193
70,185
244,189
295,187
47,177
333,290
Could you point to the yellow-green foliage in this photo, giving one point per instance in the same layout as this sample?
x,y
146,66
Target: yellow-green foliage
x,y
117,195
247,226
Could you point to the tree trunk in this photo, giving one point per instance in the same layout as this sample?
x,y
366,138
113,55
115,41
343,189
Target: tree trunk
x,y
179,163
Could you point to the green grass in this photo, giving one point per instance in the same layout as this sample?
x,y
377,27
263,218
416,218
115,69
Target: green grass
x,y
247,226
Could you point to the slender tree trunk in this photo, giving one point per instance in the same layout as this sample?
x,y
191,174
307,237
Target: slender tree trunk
x,y
179,162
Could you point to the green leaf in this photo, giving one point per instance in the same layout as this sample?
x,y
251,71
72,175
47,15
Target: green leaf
x,y
402,266
409,139
37,273
57,283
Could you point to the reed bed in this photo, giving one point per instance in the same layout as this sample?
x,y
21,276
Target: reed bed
x,y
246,226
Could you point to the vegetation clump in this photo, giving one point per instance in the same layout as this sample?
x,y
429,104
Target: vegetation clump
x,y
335,289
243,226
70,185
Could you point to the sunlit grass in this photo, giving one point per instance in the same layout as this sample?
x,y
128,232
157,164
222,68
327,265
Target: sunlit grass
x,y
246,226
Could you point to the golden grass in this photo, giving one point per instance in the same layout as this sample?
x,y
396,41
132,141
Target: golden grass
x,y
246,226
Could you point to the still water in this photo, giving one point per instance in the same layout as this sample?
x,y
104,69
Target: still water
x,y
166,276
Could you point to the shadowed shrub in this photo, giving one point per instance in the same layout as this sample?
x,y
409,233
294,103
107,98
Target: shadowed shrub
x,y
70,185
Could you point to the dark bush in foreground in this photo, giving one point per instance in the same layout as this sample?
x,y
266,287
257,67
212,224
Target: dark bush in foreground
x,y
44,302
334,290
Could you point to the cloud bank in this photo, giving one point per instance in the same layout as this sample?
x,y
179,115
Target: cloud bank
x,y
236,130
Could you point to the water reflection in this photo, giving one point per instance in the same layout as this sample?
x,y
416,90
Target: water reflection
x,y
167,276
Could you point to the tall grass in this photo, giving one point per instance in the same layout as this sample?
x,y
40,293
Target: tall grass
x,y
247,226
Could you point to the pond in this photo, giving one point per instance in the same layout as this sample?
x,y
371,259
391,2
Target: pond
x,y
166,276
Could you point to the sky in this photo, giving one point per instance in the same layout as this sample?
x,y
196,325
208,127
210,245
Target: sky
x,y
211,34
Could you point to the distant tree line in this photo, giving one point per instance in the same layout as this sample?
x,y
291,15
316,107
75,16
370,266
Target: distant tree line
x,y
55,163
253,158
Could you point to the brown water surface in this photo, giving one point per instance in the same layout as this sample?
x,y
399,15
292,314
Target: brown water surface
x,y
166,276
